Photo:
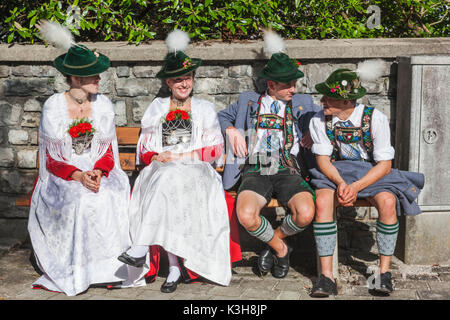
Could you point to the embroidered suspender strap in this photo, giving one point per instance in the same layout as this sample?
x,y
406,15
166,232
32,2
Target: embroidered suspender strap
x,y
366,126
288,133
331,136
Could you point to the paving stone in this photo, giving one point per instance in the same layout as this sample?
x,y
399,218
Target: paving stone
x,y
266,284
438,285
398,295
434,295
260,294
289,295
226,291
444,276
154,295
419,285
103,298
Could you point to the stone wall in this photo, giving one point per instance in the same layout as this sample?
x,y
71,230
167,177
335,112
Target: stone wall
x,y
27,79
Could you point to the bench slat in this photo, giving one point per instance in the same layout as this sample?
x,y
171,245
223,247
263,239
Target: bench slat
x,y
128,135
127,161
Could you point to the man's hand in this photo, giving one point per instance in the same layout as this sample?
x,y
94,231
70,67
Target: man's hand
x,y
347,194
237,141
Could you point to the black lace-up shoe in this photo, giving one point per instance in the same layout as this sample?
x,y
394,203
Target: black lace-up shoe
x,y
265,260
134,262
281,265
323,287
385,283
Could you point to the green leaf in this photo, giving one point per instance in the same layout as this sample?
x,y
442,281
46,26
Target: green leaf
x,y
10,37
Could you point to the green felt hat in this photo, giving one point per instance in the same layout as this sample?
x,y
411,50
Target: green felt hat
x,y
280,68
342,84
82,62
178,64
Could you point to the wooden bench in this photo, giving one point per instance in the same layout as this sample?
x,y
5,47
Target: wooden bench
x,y
128,138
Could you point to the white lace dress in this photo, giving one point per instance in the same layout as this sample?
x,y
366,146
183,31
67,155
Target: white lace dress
x,y
181,205
76,234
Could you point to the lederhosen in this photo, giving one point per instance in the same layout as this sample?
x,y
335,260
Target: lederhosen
x,y
287,164
351,134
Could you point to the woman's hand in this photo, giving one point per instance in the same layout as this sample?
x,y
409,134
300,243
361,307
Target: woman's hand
x,y
166,156
88,179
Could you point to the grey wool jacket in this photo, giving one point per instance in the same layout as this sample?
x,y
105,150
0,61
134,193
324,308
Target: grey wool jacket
x,y
241,114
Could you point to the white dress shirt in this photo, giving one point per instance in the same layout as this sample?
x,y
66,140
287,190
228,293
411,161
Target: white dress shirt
x,y
381,134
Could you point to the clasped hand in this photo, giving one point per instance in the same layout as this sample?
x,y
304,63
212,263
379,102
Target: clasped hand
x,y
89,179
346,194
168,156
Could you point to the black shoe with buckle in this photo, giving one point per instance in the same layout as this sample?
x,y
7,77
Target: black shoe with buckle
x,y
265,260
168,287
385,283
132,261
323,287
281,265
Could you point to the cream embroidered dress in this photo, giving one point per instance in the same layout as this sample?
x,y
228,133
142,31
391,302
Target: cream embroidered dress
x,y
180,205
77,235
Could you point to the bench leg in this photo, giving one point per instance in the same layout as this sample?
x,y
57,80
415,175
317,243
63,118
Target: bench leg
x,y
335,258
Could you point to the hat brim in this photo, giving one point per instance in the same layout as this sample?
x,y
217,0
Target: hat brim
x,y
322,88
163,74
284,78
100,66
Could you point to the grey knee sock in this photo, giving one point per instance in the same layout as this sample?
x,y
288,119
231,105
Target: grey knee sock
x,y
264,231
325,234
387,237
288,226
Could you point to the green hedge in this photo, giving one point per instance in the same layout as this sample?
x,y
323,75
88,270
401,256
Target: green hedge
x,y
138,21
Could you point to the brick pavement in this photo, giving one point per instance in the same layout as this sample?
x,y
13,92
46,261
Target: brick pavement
x,y
411,282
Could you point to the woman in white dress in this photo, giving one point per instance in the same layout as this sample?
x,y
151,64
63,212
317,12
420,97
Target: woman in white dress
x,y
78,221
178,202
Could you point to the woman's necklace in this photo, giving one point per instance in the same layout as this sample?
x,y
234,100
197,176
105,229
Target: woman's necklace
x,y
78,100
180,104
80,103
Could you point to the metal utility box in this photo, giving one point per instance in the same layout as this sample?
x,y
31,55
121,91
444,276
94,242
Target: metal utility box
x,y
422,144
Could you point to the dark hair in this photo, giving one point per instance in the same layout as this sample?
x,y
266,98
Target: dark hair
x,y
68,79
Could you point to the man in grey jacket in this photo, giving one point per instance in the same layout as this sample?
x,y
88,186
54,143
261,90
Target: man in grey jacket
x,y
266,135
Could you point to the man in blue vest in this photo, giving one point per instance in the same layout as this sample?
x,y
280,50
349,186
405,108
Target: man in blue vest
x,y
354,155
264,134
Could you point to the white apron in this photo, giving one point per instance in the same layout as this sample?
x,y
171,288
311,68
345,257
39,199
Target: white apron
x,y
181,205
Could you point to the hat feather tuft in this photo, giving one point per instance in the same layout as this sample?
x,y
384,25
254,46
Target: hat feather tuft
x,y
370,70
177,40
57,35
273,43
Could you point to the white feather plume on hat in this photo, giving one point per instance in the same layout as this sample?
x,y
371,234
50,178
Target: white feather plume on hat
x,y
370,70
177,40
273,43
57,35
